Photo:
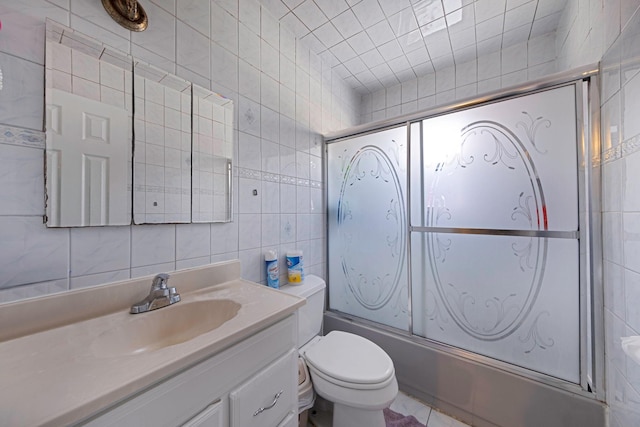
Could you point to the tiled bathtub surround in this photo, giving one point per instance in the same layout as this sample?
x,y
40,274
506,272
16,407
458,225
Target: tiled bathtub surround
x,y
525,61
621,211
284,96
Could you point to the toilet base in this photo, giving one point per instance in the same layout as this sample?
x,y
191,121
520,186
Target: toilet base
x,y
348,416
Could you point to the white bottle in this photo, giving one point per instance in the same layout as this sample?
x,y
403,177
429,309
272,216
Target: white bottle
x,y
295,267
271,264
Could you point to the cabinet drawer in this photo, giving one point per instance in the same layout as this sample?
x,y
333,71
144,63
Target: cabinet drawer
x,y
264,400
211,416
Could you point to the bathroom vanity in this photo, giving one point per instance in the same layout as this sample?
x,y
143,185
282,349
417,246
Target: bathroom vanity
x,y
223,356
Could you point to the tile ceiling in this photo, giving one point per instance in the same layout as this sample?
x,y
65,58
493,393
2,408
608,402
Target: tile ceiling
x,y
379,43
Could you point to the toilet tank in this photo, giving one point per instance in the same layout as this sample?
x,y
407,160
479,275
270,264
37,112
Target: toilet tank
x,y
310,314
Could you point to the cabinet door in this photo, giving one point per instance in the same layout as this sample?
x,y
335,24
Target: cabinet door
x,y
291,420
265,399
211,416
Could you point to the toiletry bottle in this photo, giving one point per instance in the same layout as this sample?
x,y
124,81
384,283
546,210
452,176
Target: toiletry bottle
x,y
295,267
271,263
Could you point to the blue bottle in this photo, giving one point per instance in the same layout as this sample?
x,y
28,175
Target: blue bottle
x,y
271,263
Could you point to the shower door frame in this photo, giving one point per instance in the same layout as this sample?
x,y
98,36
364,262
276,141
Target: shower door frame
x,y
591,306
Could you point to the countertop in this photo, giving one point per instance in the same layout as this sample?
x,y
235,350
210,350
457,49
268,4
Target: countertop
x,y
57,377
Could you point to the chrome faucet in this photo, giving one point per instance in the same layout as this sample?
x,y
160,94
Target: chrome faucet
x,y
160,296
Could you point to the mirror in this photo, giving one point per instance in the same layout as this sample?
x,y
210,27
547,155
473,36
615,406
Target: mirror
x,y
212,156
108,115
88,97
162,147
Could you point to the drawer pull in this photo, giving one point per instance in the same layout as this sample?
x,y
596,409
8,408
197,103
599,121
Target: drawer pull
x,y
275,400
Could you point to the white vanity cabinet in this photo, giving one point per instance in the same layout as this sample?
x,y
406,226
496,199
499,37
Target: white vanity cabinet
x,y
228,389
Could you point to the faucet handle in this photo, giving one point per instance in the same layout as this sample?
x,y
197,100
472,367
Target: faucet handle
x,y
160,281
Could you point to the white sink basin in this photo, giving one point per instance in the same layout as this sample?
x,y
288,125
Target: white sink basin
x,y
164,327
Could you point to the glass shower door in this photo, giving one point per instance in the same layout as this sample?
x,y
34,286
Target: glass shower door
x,y
367,244
494,231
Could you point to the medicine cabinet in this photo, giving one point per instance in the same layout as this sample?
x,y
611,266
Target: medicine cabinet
x,y
127,142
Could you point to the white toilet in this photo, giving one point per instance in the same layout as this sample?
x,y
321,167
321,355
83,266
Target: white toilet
x,y
346,369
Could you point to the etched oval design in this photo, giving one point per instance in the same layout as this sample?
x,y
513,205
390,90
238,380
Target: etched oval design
x,y
372,227
487,284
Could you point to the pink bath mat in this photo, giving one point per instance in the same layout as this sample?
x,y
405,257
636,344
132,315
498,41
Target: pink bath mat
x,y
394,419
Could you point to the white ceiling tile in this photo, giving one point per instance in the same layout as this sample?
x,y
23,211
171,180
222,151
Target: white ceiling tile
x,y
310,14
403,22
443,61
438,44
275,7
355,65
328,35
347,24
343,51
368,12
292,4
519,16
294,24
380,33
352,82
372,44
332,8
463,39
374,86
391,7
329,58
399,64
516,35
541,49
434,27
486,9
489,45
427,11
461,19
405,75
489,28
512,4
366,77
372,58
546,24
361,43
464,54
341,71
423,69
418,56
381,71
412,41
451,5
314,44
390,50
549,7
389,80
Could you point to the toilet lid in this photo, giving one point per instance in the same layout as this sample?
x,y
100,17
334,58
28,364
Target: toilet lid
x,y
350,358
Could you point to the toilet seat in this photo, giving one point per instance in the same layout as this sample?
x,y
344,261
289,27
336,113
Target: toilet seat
x,y
350,361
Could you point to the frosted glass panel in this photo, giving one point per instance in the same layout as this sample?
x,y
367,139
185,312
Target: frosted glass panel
x,y
367,227
507,165
511,298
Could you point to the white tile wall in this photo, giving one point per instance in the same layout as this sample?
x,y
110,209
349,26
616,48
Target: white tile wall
x,y
510,66
610,30
285,97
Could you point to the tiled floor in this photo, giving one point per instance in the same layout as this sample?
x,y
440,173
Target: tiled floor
x,y
404,404
407,405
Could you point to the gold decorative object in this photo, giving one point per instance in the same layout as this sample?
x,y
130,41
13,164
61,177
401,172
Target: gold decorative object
x,y
127,13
